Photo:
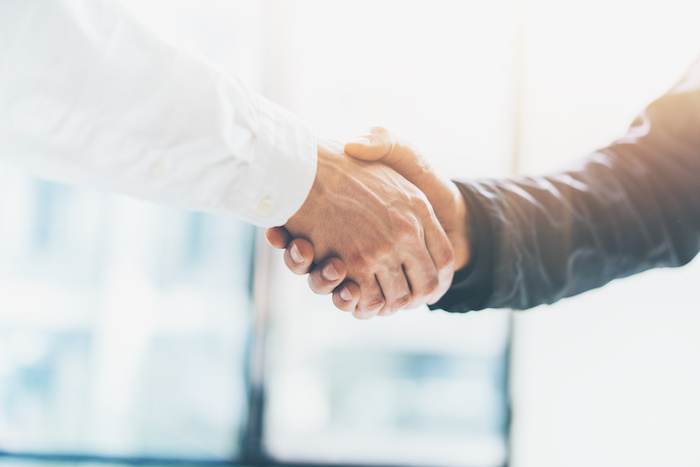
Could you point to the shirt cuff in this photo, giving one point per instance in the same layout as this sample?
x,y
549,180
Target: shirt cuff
x,y
288,149
472,286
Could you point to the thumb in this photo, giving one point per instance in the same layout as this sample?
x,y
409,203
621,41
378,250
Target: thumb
x,y
374,146
381,145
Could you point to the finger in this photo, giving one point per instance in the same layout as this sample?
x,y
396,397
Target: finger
x,y
442,255
422,275
380,144
346,296
373,146
371,299
395,288
386,312
327,276
299,256
278,237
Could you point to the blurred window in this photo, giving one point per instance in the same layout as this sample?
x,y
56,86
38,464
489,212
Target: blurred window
x,y
123,329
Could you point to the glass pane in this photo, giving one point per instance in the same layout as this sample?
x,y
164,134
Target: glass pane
x,y
418,388
123,325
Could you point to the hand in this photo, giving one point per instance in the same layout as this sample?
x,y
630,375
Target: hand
x,y
382,228
448,204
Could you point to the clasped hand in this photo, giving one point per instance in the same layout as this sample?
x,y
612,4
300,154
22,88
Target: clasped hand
x,y
379,229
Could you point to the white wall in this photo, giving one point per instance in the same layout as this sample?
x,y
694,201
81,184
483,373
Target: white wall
x,y
609,378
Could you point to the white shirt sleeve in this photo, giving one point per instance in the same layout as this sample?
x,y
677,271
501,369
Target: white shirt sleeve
x,y
88,96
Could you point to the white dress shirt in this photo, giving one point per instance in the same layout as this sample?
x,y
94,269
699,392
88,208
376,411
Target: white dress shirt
x,y
89,96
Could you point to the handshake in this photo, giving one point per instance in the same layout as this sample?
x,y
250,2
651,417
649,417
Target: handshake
x,y
379,229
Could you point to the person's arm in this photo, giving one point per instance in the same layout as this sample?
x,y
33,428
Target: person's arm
x,y
89,96
632,206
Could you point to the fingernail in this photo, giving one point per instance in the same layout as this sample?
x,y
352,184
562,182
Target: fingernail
x,y
296,255
345,294
363,141
330,273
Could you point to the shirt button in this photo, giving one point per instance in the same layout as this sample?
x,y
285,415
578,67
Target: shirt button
x,y
265,206
158,170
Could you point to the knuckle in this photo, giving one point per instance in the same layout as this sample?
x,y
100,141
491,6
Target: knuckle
x,y
408,227
422,206
432,285
374,303
359,262
386,254
447,259
380,253
412,224
401,302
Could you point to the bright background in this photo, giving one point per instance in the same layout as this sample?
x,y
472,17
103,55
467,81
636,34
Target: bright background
x,y
608,378
130,330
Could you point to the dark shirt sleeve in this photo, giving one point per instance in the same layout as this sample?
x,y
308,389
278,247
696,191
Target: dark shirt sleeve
x,y
632,206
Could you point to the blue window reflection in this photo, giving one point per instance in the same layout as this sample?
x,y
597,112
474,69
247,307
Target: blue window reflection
x,y
125,331
123,326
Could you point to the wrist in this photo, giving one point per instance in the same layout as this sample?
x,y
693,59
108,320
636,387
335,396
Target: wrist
x,y
461,232
326,178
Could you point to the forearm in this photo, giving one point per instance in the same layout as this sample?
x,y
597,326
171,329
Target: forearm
x,y
627,208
